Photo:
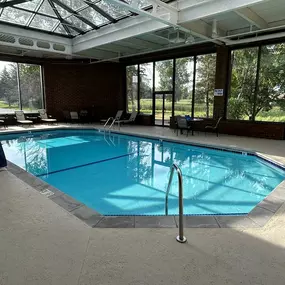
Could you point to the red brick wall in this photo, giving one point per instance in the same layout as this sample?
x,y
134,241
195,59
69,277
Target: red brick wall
x,y
72,87
247,128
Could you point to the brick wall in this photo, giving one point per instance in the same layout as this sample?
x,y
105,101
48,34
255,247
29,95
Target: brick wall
x,y
72,87
267,130
221,80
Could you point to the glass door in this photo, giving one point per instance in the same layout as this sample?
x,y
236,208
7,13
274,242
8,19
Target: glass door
x,y
163,108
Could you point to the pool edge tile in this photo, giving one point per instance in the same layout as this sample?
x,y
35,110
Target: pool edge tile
x,y
260,215
192,221
236,222
155,222
66,202
87,215
116,222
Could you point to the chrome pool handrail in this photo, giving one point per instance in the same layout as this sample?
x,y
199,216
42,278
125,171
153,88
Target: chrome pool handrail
x,y
180,238
110,127
111,118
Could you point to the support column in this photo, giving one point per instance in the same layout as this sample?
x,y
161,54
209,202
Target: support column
x,y
222,81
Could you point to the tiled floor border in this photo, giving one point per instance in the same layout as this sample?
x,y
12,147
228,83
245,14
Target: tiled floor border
x,y
258,217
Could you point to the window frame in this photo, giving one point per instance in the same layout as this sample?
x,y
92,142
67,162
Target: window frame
x,y
42,86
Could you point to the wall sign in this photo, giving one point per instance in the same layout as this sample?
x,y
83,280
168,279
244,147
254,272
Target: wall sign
x,y
219,92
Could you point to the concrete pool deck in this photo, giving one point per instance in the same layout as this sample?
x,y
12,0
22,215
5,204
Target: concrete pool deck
x,y
41,243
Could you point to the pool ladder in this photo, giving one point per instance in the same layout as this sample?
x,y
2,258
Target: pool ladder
x,y
106,124
180,238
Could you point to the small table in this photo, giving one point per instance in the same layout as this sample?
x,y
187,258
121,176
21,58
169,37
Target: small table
x,y
33,118
192,123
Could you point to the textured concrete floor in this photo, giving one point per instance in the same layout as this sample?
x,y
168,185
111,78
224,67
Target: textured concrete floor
x,y
40,243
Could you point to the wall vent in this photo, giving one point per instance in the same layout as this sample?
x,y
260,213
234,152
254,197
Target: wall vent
x,y
58,47
26,42
44,45
7,38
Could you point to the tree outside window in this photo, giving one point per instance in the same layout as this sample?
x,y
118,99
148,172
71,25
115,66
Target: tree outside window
x,y
20,87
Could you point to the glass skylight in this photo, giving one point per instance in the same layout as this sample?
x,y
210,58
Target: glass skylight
x,y
65,17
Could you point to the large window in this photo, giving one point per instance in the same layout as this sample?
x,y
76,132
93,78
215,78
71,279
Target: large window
x,y
164,75
205,84
183,86
188,82
243,79
132,88
30,86
270,99
258,84
146,88
20,87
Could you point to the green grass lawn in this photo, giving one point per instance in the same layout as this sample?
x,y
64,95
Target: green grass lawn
x,y
184,107
4,105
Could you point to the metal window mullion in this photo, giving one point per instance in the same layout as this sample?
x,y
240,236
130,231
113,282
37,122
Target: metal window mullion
x,y
58,17
194,87
138,87
153,90
19,87
75,14
43,97
173,85
34,13
101,11
256,82
2,8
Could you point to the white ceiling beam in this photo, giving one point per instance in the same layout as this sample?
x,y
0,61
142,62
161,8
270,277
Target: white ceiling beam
x,y
99,53
18,31
252,18
141,43
156,14
164,5
119,48
202,30
190,12
19,34
122,30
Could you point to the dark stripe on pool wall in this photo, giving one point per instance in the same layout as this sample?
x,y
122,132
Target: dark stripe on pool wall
x,y
87,164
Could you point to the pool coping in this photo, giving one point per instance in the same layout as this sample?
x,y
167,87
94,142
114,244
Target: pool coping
x,y
258,217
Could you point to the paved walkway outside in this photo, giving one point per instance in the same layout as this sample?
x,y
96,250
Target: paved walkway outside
x,y
41,243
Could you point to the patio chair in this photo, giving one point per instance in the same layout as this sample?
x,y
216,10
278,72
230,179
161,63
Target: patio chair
x,y
3,121
117,117
84,116
21,119
183,125
214,128
74,116
45,118
131,120
66,115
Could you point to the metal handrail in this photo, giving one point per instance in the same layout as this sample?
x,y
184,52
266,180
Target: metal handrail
x,y
110,127
180,238
111,118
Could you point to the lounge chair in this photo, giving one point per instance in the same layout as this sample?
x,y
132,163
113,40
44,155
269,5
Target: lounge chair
x,y
183,125
45,118
20,117
74,116
117,117
214,128
131,120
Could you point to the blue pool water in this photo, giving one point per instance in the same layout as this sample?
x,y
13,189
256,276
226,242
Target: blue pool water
x,y
127,175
